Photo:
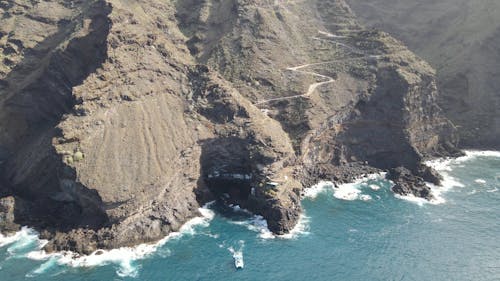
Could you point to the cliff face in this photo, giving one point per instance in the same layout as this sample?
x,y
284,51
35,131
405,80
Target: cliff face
x,y
460,38
343,94
123,117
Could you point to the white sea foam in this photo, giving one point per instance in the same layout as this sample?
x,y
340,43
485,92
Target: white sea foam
x,y
413,199
123,257
437,192
472,192
492,190
447,184
313,191
487,153
300,229
258,224
237,209
446,165
44,267
443,166
352,191
19,240
349,191
365,197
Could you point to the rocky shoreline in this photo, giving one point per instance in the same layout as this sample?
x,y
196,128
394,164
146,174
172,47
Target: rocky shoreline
x,y
124,118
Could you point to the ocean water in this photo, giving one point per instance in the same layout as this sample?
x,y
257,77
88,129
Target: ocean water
x,y
360,231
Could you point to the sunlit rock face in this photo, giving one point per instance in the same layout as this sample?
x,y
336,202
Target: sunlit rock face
x,y
123,117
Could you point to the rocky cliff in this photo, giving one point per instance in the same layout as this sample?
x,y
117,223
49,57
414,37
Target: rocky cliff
x,y
460,38
120,118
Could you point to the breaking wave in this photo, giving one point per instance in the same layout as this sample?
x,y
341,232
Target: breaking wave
x,y
24,241
477,153
444,166
20,240
418,200
258,224
349,191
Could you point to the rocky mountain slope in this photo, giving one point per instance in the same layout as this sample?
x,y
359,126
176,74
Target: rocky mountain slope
x,y
120,118
460,38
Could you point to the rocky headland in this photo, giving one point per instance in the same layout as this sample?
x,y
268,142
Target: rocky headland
x,y
119,119
460,39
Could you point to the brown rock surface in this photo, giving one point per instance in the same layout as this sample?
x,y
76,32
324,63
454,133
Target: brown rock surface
x,y
460,38
125,116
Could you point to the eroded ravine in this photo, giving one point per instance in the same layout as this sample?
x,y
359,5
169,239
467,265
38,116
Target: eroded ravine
x,y
172,117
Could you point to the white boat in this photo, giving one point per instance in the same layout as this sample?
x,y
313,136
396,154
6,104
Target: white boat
x,y
238,260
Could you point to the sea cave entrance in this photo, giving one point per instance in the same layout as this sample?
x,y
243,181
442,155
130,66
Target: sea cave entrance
x,y
227,169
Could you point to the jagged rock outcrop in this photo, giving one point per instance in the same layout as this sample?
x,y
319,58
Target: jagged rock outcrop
x,y
126,116
343,95
460,38
7,215
406,183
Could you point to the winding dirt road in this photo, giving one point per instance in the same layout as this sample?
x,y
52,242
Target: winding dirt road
x,y
328,79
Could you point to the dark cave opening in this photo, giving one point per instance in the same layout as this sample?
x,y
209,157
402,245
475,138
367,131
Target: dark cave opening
x,y
227,170
230,191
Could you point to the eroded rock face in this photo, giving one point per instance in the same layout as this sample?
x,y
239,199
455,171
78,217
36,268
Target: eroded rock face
x,y
461,41
406,183
7,216
130,115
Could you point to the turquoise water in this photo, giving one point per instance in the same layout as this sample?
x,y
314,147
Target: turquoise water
x,y
356,233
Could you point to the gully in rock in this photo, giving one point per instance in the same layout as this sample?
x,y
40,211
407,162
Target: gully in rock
x,y
124,117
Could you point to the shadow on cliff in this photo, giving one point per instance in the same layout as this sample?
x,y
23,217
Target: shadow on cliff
x,y
232,173
47,194
383,127
39,89
226,171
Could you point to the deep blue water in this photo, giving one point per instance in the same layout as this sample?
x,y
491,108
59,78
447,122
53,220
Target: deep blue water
x,y
379,237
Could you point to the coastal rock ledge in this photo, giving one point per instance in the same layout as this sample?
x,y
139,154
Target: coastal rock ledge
x,y
119,119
